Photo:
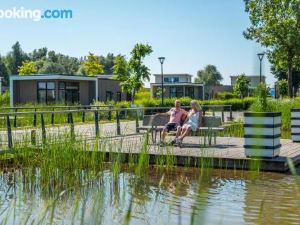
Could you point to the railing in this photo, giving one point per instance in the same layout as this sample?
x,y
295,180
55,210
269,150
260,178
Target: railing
x,y
135,114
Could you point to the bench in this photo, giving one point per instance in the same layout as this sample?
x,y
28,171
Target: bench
x,y
212,125
154,124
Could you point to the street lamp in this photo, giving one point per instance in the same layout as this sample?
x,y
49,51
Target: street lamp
x,y
260,57
161,60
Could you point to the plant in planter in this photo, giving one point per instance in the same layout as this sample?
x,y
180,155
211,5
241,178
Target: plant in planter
x,y
262,127
295,124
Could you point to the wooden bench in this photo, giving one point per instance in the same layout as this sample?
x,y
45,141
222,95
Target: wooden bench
x,y
154,124
212,125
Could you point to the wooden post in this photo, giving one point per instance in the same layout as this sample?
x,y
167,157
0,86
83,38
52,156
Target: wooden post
x,y
43,129
137,121
223,115
15,118
96,117
83,116
33,137
230,116
71,122
109,113
52,118
118,123
34,118
9,134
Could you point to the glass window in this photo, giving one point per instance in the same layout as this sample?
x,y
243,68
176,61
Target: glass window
x,y
50,85
189,91
109,96
119,96
173,92
46,92
42,85
68,92
42,96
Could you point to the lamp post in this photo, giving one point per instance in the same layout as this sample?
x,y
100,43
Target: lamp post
x,y
161,60
260,57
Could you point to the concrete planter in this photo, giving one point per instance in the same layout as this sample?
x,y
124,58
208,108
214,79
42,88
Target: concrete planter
x,y
295,124
262,134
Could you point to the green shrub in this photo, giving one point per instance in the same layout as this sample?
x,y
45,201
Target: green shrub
x,y
226,95
4,99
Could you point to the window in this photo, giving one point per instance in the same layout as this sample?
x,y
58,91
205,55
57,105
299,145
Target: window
x,y
176,92
171,79
68,92
173,92
46,92
119,96
109,96
189,91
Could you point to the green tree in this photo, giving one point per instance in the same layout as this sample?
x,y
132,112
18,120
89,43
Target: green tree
x,y
241,86
38,54
275,24
108,63
281,74
93,65
282,87
3,72
133,73
209,76
51,68
15,58
27,68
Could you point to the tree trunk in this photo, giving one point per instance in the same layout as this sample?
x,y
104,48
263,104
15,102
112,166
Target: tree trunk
x,y
290,75
132,97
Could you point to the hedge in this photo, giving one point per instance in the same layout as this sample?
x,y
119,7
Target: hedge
x,y
237,103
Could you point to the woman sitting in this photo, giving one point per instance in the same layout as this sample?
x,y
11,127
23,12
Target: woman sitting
x,y
191,123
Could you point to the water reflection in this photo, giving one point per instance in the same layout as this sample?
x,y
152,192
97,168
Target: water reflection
x,y
177,196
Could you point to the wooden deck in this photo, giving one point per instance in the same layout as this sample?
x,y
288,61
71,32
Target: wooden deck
x,y
227,153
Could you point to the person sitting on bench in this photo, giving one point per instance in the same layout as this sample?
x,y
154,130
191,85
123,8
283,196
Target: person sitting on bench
x,y
191,123
177,115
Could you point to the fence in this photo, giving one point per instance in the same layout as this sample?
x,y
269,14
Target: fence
x,y
113,114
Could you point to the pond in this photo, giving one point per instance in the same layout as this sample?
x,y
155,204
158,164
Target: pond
x,y
155,196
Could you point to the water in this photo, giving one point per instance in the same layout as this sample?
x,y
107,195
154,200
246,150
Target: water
x,y
177,196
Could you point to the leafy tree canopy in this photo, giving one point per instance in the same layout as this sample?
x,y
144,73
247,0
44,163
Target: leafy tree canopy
x,y
133,73
93,65
27,68
3,71
209,76
275,24
241,86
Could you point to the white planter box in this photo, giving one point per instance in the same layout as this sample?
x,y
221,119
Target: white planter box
x,y
295,124
262,134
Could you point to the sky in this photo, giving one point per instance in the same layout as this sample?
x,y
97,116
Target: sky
x,y
189,33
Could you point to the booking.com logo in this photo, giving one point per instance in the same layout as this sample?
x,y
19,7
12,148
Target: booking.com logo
x,y
35,14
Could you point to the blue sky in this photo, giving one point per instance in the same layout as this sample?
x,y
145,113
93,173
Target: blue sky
x,y
189,33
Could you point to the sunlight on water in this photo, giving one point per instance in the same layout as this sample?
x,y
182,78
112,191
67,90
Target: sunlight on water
x,y
179,196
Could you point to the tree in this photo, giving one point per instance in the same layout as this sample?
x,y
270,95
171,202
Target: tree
x,y
241,86
282,87
38,54
52,68
92,65
281,74
27,68
209,76
108,63
15,58
133,73
275,24
3,72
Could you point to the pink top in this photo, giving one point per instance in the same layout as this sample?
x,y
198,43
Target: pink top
x,y
175,115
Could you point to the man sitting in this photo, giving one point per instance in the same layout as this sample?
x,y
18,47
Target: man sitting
x,y
177,116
